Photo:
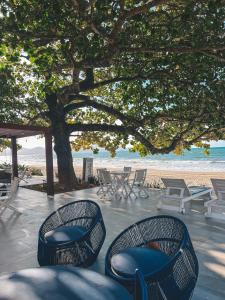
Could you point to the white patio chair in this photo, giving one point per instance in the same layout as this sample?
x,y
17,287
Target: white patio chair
x,y
108,185
216,206
178,195
136,186
100,180
8,196
127,176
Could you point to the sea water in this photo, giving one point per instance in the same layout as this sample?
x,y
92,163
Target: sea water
x,y
193,160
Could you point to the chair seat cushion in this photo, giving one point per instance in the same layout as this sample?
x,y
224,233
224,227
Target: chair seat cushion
x,y
65,234
147,260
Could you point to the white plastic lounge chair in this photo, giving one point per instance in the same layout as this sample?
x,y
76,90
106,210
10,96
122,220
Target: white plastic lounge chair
x,y
177,194
216,206
8,196
136,186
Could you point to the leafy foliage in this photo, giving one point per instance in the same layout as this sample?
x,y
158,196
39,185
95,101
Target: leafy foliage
x,y
148,74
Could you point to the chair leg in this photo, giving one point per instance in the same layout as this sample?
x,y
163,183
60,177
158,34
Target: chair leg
x,y
14,209
208,214
143,189
182,208
3,208
9,206
131,188
100,190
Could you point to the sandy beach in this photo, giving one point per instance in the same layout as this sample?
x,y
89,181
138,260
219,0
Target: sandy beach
x,y
153,175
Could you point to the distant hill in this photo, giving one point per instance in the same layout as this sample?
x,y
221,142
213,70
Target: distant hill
x,y
26,151
35,150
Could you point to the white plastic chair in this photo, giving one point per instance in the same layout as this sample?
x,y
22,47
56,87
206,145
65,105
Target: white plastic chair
x,y
136,186
9,197
216,206
178,194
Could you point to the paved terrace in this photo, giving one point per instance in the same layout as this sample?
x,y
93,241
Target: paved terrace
x,y
18,235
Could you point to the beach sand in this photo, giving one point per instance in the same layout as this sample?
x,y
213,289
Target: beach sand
x,y
153,175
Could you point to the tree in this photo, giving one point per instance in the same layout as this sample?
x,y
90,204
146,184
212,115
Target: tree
x,y
148,74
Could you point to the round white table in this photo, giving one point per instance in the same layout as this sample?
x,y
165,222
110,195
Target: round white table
x,y
60,283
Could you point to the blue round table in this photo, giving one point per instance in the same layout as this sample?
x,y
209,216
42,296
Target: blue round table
x,y
60,283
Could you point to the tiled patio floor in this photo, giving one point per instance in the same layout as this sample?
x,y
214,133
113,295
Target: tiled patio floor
x,y
18,235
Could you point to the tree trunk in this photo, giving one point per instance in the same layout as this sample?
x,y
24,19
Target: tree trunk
x,y
66,174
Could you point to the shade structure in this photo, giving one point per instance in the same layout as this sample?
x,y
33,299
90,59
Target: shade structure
x,y
15,131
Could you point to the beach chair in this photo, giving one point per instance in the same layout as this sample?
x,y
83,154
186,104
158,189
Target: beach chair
x,y
178,195
216,206
8,196
136,186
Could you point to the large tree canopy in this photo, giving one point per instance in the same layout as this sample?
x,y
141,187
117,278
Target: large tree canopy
x,y
145,73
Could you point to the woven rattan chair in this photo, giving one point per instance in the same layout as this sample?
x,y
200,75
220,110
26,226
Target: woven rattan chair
x,y
73,234
160,247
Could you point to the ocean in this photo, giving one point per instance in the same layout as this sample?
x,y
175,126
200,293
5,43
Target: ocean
x,y
194,160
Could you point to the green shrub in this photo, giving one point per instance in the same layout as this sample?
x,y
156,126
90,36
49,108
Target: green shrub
x,y
35,171
32,170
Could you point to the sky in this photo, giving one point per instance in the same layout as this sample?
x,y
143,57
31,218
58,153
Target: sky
x,y
31,142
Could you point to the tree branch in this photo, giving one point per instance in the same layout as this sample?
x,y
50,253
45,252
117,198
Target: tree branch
x,y
108,109
96,127
128,130
213,55
126,14
113,128
180,49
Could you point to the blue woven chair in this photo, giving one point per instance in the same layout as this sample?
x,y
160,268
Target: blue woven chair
x,y
160,247
73,234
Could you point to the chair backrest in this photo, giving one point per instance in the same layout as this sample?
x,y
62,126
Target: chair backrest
x,y
175,186
219,187
127,169
141,289
106,177
99,173
140,176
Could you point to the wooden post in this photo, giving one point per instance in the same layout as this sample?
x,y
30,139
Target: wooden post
x,y
49,164
14,157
